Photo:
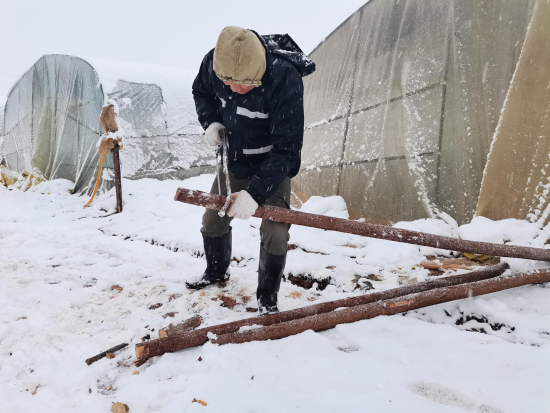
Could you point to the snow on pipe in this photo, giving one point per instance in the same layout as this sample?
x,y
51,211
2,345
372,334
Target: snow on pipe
x,y
272,213
199,337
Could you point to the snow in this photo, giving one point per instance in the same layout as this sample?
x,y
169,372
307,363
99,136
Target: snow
x,y
334,206
59,263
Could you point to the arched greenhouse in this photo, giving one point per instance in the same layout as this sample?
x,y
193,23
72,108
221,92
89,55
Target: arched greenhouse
x,y
52,121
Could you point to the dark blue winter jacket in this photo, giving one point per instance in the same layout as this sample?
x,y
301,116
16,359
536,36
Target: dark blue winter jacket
x,y
266,125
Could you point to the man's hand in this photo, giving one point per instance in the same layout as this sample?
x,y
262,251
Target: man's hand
x,y
212,134
243,205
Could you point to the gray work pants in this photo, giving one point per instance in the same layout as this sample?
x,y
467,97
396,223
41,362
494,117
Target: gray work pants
x,y
274,235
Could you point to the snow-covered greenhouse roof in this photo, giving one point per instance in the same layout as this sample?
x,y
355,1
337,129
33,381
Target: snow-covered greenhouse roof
x,y
52,119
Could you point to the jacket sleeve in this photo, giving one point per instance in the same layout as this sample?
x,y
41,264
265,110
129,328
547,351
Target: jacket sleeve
x,y
286,136
203,92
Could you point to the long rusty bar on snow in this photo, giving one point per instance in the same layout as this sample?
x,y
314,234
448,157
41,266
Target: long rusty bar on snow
x,y
384,307
216,202
198,337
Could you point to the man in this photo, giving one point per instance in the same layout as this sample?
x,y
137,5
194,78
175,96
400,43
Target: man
x,y
251,85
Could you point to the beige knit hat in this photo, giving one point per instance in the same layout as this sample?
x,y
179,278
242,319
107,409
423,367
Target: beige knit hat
x,y
239,57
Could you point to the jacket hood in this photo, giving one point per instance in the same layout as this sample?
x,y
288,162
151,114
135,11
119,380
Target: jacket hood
x,y
283,46
239,56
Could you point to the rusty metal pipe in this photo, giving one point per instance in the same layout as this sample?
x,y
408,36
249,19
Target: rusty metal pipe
x,y
272,213
186,339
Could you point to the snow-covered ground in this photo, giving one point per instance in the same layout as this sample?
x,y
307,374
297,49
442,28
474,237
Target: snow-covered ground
x,y
59,264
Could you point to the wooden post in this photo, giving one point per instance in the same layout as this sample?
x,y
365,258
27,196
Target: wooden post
x,y
199,337
118,179
348,226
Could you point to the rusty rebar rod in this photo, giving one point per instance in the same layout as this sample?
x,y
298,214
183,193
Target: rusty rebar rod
x,y
198,337
383,307
369,230
104,353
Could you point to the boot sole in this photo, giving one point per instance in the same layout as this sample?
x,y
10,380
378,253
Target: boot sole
x,y
202,287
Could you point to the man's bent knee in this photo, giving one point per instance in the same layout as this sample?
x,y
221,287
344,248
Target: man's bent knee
x,y
274,237
213,225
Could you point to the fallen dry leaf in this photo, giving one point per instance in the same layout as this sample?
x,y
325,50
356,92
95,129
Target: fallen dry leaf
x,y
349,245
295,295
120,408
116,287
136,372
110,355
155,306
199,401
228,302
171,314
174,297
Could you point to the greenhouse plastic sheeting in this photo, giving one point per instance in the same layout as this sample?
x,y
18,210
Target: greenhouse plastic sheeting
x,y
517,179
402,109
52,121
2,103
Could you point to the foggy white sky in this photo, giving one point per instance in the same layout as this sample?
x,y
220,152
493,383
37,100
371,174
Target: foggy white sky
x,y
168,32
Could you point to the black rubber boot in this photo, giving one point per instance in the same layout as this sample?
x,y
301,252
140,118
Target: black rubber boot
x,y
218,257
270,272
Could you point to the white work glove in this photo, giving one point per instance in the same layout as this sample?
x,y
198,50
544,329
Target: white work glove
x,y
212,134
243,205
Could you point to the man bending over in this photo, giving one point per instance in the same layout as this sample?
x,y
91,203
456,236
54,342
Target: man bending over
x,y
251,86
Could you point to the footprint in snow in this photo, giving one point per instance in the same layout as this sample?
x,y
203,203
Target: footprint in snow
x,y
339,340
444,395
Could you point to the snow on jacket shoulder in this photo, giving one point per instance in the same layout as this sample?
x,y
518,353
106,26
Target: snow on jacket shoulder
x,y
266,125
